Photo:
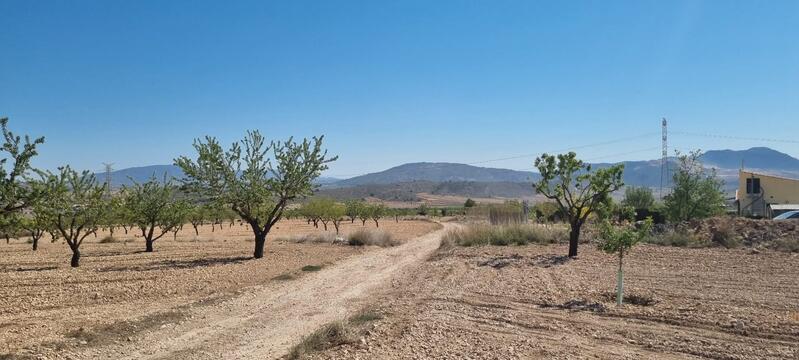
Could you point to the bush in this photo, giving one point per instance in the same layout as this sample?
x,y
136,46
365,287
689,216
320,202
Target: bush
x,y
502,235
317,238
362,237
786,244
108,240
724,235
676,238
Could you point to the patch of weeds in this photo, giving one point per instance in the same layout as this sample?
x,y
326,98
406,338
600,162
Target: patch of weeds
x,y
632,299
108,240
335,334
501,262
312,268
577,305
328,336
786,244
362,237
503,235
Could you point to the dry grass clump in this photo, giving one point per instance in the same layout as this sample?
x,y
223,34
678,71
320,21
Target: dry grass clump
x,y
677,238
788,244
334,334
724,235
108,240
316,238
363,237
502,235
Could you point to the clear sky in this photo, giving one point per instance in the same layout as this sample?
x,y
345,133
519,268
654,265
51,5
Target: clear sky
x,y
389,82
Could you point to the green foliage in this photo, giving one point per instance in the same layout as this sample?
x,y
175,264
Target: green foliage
x,y
620,239
14,170
423,210
469,203
545,211
638,198
154,208
245,179
353,209
697,193
575,188
74,203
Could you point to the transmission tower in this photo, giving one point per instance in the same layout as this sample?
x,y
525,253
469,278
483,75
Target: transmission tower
x,y
108,169
664,161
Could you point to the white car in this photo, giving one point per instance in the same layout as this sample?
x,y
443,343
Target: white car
x,y
788,215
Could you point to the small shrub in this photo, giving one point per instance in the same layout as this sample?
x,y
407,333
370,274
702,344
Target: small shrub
x,y
677,239
724,235
362,237
312,268
786,244
108,240
330,335
317,238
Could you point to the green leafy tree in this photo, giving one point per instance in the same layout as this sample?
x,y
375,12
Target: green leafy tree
x,y
196,216
697,192
376,212
423,209
619,240
244,178
469,203
15,168
335,214
353,209
155,209
576,188
74,203
639,197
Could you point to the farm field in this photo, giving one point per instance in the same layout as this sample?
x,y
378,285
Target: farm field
x,y
529,302
50,309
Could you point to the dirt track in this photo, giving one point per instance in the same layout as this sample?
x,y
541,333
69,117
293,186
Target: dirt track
x,y
263,322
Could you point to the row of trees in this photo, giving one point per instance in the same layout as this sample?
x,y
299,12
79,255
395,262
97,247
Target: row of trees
x,y
253,179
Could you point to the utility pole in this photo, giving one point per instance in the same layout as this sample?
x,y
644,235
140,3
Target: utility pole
x,y
664,161
108,169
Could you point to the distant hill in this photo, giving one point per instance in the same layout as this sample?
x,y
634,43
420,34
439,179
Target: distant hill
x,y
405,181
762,158
439,172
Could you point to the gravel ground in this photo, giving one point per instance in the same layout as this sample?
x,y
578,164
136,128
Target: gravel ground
x,y
46,307
530,302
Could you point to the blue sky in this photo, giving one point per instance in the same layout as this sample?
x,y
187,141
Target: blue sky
x,y
389,82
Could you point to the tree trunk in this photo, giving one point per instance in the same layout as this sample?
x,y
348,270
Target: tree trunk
x,y
325,224
363,222
196,232
35,243
75,258
260,241
376,224
574,239
620,280
148,245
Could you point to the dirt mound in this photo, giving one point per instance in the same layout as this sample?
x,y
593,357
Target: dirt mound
x,y
747,232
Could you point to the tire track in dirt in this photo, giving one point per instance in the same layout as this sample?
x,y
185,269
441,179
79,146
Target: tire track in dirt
x,y
266,321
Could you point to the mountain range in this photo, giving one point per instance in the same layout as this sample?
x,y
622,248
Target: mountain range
x,y
469,180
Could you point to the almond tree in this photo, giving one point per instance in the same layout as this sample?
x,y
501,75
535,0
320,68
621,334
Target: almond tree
x,y
575,188
245,179
15,166
74,203
618,240
376,212
154,209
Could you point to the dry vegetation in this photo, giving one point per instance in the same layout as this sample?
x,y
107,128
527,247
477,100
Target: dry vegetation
x,y
120,290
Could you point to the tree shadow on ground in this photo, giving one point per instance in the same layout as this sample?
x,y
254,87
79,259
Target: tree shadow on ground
x,y
181,264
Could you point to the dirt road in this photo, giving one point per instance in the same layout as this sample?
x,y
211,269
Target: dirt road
x,y
264,322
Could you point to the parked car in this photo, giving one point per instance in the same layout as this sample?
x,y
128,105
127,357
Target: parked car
x,y
788,215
